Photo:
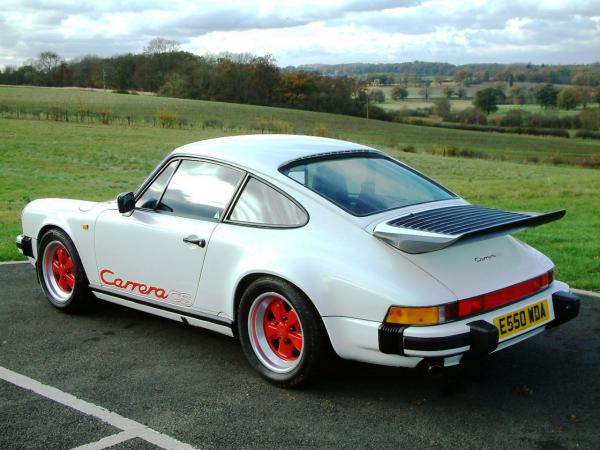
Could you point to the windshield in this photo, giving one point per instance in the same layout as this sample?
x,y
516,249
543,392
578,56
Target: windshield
x,y
364,185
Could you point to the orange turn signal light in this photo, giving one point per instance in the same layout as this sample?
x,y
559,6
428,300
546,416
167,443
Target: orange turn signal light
x,y
406,315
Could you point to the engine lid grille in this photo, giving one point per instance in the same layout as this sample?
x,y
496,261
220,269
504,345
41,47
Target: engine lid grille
x,y
434,229
456,220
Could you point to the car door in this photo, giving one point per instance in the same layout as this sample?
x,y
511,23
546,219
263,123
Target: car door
x,y
156,253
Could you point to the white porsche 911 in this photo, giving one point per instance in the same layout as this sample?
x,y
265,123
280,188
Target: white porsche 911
x,y
300,246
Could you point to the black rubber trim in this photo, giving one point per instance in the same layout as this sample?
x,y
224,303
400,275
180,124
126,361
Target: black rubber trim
x,y
484,338
224,322
437,343
391,339
566,307
25,246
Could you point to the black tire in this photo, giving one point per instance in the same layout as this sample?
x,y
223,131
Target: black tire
x,y
316,351
69,295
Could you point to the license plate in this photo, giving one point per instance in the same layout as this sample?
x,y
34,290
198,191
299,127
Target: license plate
x,y
528,317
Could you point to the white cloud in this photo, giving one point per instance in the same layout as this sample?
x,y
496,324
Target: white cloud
x,y
307,31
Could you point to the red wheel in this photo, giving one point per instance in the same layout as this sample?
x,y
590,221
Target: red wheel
x,y
61,273
282,329
281,333
276,332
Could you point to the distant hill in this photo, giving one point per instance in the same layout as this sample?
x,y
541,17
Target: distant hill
x,y
358,69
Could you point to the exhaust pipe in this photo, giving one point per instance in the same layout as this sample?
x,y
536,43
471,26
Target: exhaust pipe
x,y
435,367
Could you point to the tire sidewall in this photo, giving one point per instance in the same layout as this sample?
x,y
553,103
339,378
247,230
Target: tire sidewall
x,y
80,292
310,331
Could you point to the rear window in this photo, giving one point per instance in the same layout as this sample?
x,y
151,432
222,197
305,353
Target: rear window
x,y
364,185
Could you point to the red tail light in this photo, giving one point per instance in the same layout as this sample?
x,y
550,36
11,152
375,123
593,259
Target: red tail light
x,y
501,297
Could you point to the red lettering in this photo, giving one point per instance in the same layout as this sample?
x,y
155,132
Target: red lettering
x,y
105,271
133,286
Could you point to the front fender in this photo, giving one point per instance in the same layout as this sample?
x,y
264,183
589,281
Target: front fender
x,y
71,216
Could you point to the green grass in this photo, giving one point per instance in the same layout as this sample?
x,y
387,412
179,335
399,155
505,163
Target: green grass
x,y
94,162
234,118
537,109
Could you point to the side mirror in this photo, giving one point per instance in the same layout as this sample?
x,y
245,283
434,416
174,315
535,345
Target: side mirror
x,y
126,202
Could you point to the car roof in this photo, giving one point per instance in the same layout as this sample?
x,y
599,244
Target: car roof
x,y
266,152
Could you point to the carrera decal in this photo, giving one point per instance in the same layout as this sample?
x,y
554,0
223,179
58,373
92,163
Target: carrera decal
x,y
106,275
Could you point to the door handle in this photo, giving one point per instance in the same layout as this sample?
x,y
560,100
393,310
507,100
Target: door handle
x,y
195,240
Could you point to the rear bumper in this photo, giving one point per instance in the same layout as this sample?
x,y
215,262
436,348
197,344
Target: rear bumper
x,y
480,339
24,245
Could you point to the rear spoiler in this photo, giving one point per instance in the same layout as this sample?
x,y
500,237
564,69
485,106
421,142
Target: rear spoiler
x,y
435,229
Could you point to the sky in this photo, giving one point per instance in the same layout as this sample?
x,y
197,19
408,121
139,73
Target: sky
x,y
311,31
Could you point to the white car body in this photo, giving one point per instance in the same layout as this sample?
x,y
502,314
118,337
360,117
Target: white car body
x,y
351,276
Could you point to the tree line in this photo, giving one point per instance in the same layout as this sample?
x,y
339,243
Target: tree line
x,y
466,74
164,69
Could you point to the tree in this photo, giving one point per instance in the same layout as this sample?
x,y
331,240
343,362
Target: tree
x,y
377,96
586,95
519,95
546,95
161,45
175,86
373,79
596,98
48,62
47,65
459,76
442,107
569,98
511,79
482,76
487,99
463,77
581,78
448,91
399,93
590,119
424,91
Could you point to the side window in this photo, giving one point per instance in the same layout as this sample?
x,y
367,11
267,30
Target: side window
x,y
262,205
200,190
152,195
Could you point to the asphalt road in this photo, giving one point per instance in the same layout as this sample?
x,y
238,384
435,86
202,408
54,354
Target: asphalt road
x,y
195,386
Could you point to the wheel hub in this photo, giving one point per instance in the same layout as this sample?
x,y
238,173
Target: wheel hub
x,y
58,271
276,332
62,269
280,327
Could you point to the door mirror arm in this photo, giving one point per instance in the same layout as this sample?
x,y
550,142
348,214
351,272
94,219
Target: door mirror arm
x,y
126,203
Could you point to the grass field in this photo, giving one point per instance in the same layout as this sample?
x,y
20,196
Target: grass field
x,y
537,109
235,118
92,161
460,105
414,103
